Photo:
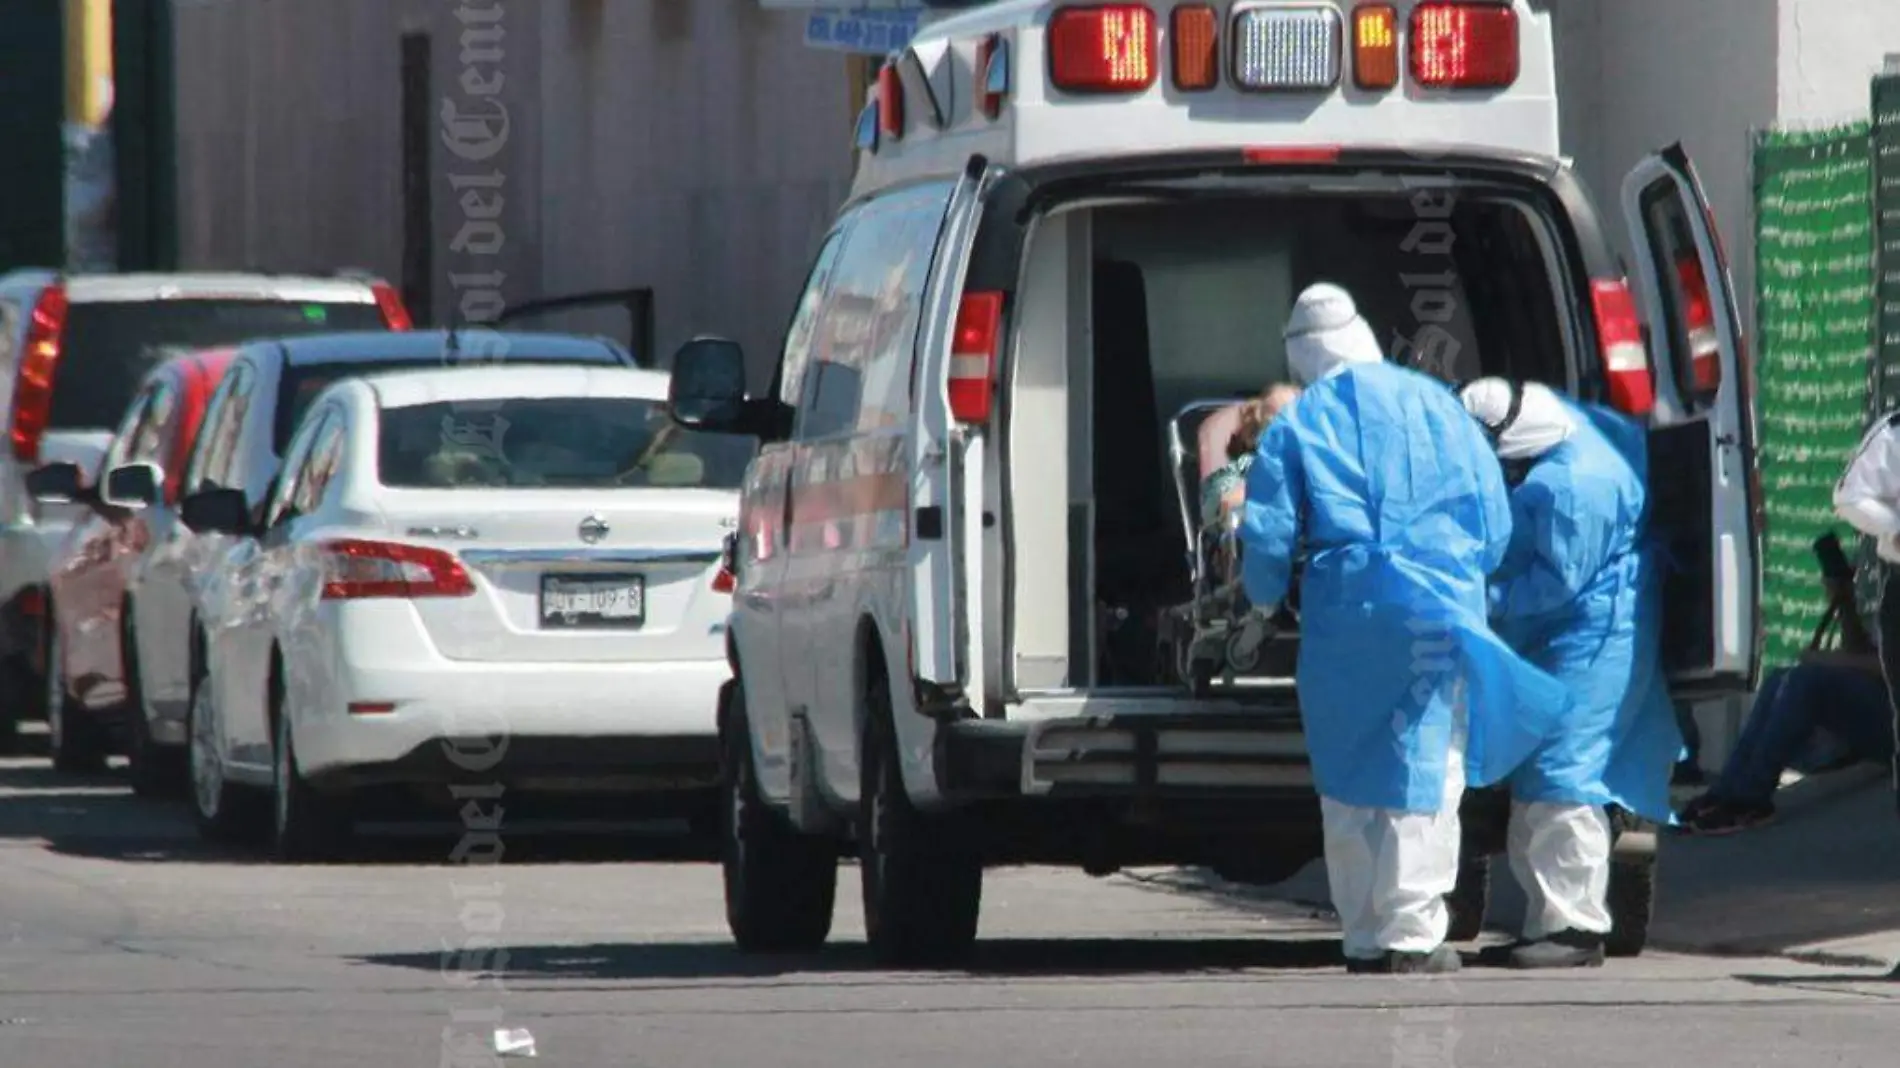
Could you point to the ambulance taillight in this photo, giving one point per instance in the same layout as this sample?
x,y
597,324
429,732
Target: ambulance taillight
x,y
1195,33
1625,357
1705,367
973,344
1286,48
1375,46
1105,48
1464,45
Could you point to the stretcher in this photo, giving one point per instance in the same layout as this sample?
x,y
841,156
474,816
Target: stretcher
x,y
1218,640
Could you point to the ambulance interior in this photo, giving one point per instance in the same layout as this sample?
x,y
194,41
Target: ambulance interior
x,y
1186,301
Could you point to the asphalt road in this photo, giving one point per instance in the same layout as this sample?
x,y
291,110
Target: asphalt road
x,y
123,942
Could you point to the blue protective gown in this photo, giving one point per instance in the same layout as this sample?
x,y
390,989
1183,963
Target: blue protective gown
x,y
1578,596
1405,512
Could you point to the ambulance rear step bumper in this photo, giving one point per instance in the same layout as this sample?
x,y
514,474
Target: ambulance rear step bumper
x,y
1204,750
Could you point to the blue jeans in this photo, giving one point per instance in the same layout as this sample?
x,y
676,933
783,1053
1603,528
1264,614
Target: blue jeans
x,y
1792,704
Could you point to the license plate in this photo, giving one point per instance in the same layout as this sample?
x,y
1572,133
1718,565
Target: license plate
x,y
593,600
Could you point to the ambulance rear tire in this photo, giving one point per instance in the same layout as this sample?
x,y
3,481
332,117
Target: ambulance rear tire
x,y
1632,891
922,872
1632,903
781,886
1469,900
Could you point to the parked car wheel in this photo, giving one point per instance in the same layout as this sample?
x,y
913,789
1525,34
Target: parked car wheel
x,y
781,886
74,739
15,684
157,770
923,876
224,812
307,825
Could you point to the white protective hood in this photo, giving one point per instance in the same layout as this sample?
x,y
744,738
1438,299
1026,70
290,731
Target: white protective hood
x,y
1542,422
1326,332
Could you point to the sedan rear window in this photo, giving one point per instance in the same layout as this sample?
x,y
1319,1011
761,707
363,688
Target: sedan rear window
x,y
302,384
108,347
555,443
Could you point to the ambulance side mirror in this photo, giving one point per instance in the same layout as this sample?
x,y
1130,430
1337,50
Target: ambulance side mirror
x,y
707,393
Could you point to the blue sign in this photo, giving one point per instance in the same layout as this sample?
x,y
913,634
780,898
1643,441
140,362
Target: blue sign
x,y
872,32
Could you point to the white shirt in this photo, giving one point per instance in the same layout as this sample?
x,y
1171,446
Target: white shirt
x,y
1868,495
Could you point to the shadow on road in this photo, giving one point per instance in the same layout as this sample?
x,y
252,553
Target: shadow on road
x,y
1842,979
97,816
1000,957
1824,870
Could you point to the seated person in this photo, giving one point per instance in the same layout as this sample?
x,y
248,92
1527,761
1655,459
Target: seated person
x,y
1836,691
1227,486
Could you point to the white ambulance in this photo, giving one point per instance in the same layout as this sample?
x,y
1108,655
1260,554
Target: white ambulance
x,y
1075,234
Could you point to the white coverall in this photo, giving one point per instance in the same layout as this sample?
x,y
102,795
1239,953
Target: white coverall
x,y
1390,870
1558,852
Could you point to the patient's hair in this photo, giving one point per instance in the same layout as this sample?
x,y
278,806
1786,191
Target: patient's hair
x,y
1254,417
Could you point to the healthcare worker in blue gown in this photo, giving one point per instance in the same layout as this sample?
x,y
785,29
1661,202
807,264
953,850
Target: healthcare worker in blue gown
x,y
1578,596
1405,694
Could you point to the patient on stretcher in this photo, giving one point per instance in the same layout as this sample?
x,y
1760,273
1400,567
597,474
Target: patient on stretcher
x,y
1219,634
1226,487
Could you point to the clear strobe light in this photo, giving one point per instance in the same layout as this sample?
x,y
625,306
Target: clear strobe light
x,y
1287,48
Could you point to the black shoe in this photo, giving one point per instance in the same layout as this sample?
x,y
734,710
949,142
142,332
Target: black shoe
x,y
1441,961
1688,773
1707,816
1565,949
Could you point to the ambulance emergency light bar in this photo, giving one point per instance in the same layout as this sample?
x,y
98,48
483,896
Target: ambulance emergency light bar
x,y
1113,48
1286,48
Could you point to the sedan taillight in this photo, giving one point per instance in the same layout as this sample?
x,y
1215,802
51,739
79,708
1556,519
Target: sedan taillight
x,y
356,570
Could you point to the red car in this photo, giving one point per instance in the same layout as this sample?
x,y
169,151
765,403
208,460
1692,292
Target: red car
x,y
94,707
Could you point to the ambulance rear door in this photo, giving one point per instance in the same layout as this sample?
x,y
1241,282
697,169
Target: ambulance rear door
x,y
954,391
1705,485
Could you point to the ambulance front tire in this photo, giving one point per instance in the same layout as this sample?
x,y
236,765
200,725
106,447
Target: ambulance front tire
x,y
922,872
780,885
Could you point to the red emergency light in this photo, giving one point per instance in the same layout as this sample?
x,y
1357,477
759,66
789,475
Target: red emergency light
x,y
890,102
1102,48
1464,45
989,98
389,302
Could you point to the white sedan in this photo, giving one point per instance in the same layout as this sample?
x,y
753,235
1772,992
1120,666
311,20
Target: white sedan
x,y
473,581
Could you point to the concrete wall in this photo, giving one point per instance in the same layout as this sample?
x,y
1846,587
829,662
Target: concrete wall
x,y
1830,50
1636,75
702,149
696,148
